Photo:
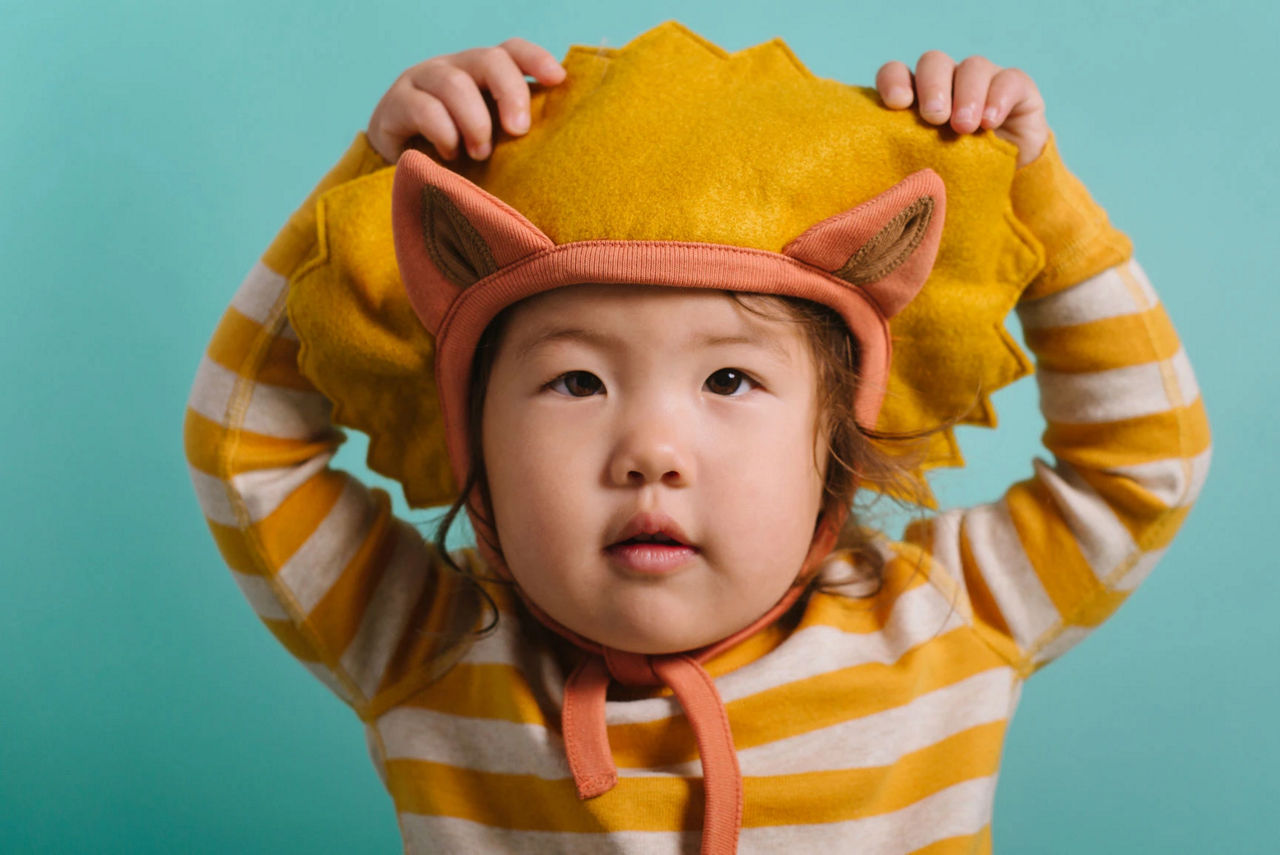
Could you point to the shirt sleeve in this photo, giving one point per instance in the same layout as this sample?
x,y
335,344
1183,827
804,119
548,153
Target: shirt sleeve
x,y
1039,569
354,593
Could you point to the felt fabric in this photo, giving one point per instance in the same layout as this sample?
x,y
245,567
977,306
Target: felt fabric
x,y
671,138
465,255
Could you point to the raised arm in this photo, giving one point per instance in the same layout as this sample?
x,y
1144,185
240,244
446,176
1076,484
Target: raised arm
x,y
351,591
1037,570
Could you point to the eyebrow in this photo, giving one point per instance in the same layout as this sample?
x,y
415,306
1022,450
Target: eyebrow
x,y
603,341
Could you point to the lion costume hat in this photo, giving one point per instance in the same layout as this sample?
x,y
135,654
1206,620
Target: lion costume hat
x,y
672,142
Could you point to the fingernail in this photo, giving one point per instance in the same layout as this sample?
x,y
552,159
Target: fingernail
x,y
933,105
990,114
900,95
480,152
520,123
963,114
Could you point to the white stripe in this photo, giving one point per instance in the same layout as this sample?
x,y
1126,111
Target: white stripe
x,y
1144,284
258,294
1068,638
446,834
919,616
1104,295
386,618
993,540
1169,481
325,676
272,411
211,492
257,590
263,490
1140,571
482,744
1103,540
260,490
1187,384
312,570
1103,396
882,738
963,808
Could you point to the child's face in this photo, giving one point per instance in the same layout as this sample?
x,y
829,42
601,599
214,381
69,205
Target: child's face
x,y
609,402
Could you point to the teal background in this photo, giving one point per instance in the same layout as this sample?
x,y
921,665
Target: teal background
x,y
148,153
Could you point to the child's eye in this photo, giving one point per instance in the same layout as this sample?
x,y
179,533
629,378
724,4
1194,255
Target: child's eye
x,y
577,384
728,381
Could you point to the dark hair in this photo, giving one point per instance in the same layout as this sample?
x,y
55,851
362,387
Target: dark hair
x,y
856,455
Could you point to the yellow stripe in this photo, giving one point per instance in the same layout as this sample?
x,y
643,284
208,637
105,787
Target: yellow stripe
x,y
1109,343
483,691
866,615
989,621
265,546
1050,546
234,341
501,692
1159,436
1139,294
807,705
525,802
967,844
1136,507
848,794
337,616
222,453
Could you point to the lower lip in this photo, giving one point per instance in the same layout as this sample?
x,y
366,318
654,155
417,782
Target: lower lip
x,y
650,558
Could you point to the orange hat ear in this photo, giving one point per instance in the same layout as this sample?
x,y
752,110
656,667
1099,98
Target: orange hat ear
x,y
894,238
449,234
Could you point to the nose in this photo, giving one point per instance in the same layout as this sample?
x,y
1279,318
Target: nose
x,y
651,450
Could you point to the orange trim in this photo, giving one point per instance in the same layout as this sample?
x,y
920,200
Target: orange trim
x,y
721,776
670,263
586,741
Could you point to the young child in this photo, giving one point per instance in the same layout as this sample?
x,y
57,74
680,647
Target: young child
x,y
658,441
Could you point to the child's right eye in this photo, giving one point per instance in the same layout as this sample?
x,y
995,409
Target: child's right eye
x,y
577,384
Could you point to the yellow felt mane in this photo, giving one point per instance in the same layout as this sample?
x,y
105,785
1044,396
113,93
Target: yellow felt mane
x,y
672,138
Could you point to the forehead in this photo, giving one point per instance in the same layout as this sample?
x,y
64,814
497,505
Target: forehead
x,y
674,316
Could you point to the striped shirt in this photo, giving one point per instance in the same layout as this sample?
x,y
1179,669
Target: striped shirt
x,y
866,722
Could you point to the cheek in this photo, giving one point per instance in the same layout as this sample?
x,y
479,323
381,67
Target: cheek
x,y
532,461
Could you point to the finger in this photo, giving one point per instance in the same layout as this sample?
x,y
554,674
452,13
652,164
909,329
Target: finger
x,y
934,73
428,116
969,96
1006,89
893,81
495,69
535,61
458,91
406,111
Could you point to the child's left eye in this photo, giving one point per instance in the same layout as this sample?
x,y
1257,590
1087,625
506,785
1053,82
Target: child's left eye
x,y
728,382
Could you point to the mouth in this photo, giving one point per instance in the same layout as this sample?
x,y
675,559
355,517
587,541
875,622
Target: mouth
x,y
651,544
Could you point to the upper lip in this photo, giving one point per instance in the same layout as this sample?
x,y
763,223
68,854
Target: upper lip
x,y
652,523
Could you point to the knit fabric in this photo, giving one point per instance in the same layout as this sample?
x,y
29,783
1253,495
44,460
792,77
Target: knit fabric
x,y
866,721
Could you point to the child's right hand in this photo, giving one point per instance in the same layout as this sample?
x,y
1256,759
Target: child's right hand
x,y
440,97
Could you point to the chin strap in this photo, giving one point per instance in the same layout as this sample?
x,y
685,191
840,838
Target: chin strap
x,y
586,736
587,739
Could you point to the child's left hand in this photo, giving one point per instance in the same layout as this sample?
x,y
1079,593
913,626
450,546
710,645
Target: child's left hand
x,y
1003,100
